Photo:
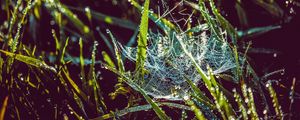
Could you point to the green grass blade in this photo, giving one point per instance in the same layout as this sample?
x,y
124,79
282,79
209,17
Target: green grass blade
x,y
81,61
57,43
29,60
13,18
107,59
197,111
276,105
117,53
100,105
3,108
241,105
63,51
142,41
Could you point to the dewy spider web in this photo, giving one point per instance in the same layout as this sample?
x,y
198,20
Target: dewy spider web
x,y
168,65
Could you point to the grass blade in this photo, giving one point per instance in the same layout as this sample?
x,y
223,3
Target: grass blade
x,y
29,60
3,109
81,61
142,40
276,105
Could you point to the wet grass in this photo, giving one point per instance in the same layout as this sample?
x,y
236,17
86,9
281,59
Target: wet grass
x,y
67,76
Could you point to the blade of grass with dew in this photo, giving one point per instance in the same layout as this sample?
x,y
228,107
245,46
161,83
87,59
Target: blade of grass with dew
x,y
291,97
241,106
254,32
248,95
100,105
3,108
107,59
81,61
14,43
13,18
238,68
74,85
252,105
79,103
199,115
57,44
276,105
106,41
117,54
29,60
70,92
142,42
63,51
221,98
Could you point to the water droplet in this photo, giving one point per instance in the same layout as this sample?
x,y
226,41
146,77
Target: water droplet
x,y
282,72
292,11
246,100
265,111
186,97
267,85
48,99
107,31
52,22
233,90
87,9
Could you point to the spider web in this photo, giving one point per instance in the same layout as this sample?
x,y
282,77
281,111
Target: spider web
x,y
167,64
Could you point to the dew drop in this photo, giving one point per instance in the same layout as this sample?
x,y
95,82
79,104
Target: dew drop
x,y
52,22
265,111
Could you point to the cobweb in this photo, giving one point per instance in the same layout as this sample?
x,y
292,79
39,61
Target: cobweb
x,y
167,64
